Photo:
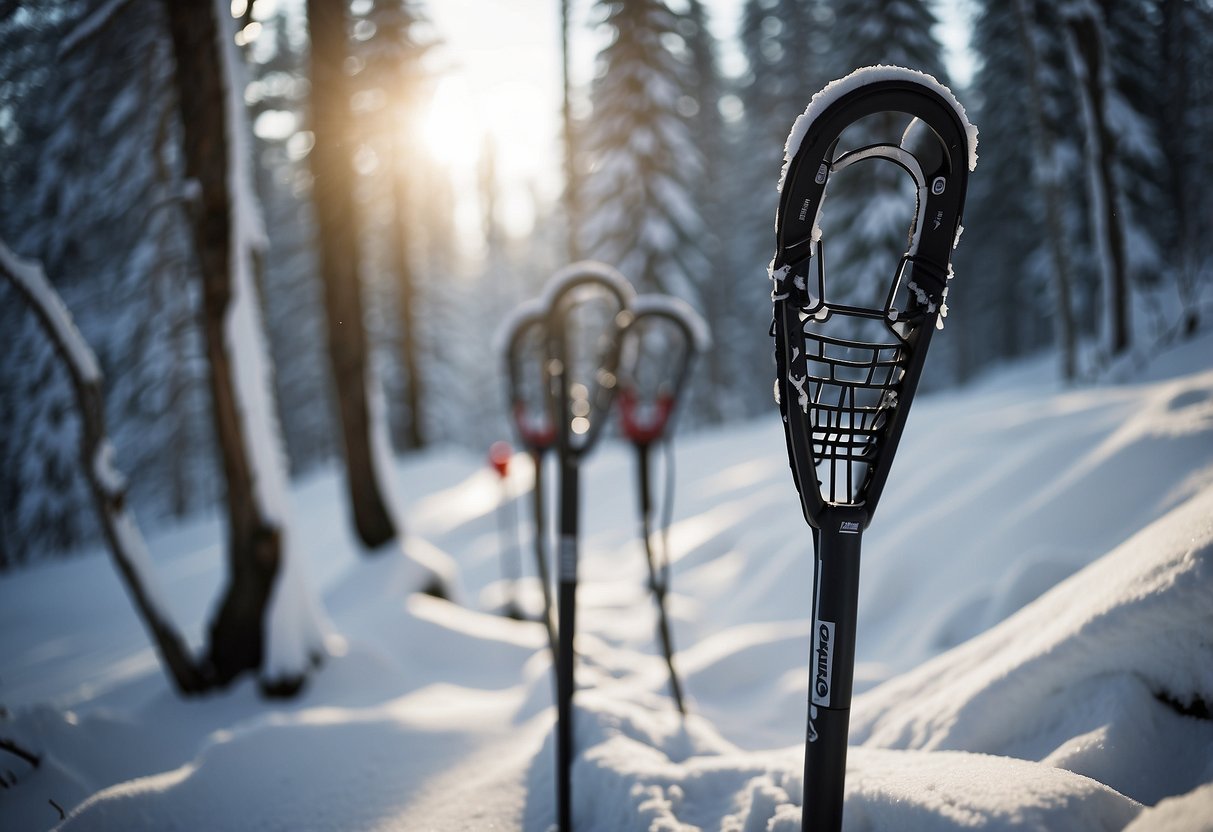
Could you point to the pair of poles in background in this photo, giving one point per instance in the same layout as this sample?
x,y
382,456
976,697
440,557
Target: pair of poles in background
x,y
589,340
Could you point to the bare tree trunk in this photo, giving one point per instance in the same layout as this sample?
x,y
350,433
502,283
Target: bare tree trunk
x,y
1176,142
337,224
1046,176
572,197
8,551
1085,43
5,559
107,485
237,634
406,283
178,384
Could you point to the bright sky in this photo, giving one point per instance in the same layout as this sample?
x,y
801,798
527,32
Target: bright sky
x,y
502,80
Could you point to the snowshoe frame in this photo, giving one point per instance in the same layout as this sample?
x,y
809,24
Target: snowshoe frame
x,y
836,423
845,399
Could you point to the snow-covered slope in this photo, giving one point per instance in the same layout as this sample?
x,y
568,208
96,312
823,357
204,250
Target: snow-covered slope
x,y
1036,645
1092,677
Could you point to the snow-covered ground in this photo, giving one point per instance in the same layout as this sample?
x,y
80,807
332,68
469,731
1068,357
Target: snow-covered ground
x,y
1035,645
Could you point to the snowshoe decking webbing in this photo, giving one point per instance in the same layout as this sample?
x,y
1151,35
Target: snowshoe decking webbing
x,y
847,371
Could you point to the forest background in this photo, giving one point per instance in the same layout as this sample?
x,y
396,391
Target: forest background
x,y
386,239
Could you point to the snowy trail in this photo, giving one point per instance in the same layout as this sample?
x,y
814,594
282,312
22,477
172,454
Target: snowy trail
x,y
1034,617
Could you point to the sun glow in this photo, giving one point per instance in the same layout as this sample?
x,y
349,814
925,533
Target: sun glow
x,y
461,127
450,128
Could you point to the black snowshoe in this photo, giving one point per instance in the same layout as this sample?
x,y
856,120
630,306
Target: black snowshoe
x,y
847,371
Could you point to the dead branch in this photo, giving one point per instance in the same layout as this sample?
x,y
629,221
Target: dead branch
x,y
107,484
24,753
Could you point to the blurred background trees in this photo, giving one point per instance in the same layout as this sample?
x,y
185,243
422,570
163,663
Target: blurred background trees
x,y
679,136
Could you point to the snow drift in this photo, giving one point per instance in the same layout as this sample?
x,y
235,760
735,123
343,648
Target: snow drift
x,y
1036,645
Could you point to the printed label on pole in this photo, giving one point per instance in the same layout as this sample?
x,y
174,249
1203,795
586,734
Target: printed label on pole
x,y
823,662
849,527
568,558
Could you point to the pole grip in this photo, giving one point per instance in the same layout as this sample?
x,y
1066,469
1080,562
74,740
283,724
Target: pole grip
x,y
831,667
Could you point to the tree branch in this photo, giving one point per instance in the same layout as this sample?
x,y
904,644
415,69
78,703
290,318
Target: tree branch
x,y
92,26
25,754
107,484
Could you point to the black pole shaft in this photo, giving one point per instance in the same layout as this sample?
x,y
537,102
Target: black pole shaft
x,y
656,582
539,516
831,668
565,658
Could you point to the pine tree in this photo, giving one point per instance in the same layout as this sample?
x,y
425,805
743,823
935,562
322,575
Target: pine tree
x,y
28,380
712,395
294,321
443,333
785,44
1136,80
1062,111
1184,67
108,226
866,219
1016,266
1090,60
638,204
398,82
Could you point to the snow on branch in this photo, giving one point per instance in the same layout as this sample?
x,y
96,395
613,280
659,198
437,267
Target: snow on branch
x,y
16,750
27,276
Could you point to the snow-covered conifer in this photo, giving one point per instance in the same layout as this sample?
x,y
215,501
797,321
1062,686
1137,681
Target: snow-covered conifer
x,y
867,217
353,372
393,87
640,214
1101,107
1184,69
1136,80
713,393
294,319
91,187
784,44
1018,268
